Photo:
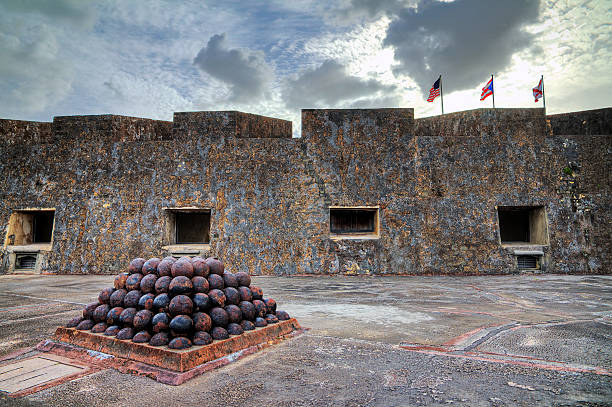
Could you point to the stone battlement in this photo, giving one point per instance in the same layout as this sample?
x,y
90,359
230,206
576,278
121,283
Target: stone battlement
x,y
245,125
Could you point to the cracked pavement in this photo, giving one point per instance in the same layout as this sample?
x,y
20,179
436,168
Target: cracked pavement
x,y
483,340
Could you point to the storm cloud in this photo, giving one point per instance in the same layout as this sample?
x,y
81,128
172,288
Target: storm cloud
x,y
464,40
330,85
244,71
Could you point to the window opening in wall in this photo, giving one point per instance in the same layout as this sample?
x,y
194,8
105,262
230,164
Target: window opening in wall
x,y
43,226
28,227
522,224
188,226
353,221
192,227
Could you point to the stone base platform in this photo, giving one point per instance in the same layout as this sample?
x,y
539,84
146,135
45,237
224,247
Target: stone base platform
x,y
161,363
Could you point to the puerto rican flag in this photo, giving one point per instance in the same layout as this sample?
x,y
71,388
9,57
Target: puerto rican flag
x,y
487,90
537,91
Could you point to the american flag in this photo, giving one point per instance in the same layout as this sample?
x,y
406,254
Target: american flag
x,y
537,91
487,90
434,92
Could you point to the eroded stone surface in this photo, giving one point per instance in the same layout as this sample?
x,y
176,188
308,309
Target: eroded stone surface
x,y
436,181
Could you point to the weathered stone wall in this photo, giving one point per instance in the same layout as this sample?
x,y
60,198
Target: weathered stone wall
x,y
436,180
589,122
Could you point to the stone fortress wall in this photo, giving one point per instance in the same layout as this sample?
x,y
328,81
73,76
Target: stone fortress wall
x,y
364,191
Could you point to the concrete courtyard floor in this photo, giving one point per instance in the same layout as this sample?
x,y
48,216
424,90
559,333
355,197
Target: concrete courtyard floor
x,y
373,341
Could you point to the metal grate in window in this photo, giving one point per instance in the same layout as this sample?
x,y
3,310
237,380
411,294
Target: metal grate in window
x,y
527,262
346,221
25,262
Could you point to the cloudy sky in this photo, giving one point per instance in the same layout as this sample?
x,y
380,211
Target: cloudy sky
x,y
150,58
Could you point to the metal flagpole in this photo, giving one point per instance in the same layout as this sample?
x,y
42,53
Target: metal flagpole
x,y
493,93
441,94
543,95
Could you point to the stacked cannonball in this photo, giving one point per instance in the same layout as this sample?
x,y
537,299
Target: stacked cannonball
x,y
178,303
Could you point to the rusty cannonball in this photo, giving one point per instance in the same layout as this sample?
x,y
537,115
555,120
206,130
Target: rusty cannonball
x,y
169,258
127,316
150,266
270,304
235,329
248,310
131,299
202,338
243,278
162,284
282,315
260,322
180,343
202,322
201,302
247,325
147,284
133,282
216,266
181,304
112,318
219,333
232,296
104,297
99,327
161,302
234,315
112,330
89,309
182,267
230,280
180,285
200,284
260,308
181,325
271,319
120,280
217,297
215,282
164,268
160,339
146,301
116,300
125,333
245,293
256,292
219,316
200,268
142,337
136,265
161,322
142,319
74,322
100,312
85,325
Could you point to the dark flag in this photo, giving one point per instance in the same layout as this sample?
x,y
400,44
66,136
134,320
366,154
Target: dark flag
x,y
434,92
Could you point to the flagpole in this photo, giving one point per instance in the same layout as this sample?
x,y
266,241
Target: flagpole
x,y
493,93
441,94
543,94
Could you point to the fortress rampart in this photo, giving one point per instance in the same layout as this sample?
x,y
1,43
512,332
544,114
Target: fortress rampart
x,y
372,191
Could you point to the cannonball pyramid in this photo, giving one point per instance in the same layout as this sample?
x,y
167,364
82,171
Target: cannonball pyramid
x,y
178,303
